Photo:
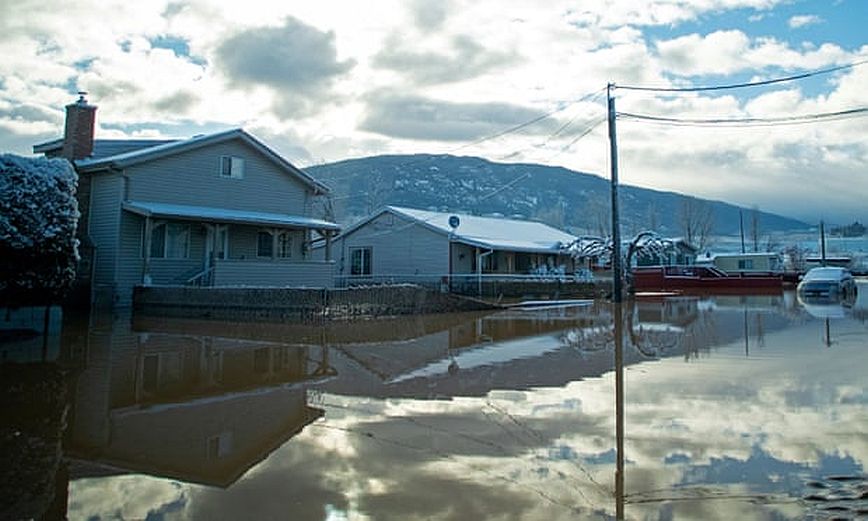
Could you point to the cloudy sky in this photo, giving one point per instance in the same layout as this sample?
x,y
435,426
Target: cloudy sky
x,y
330,80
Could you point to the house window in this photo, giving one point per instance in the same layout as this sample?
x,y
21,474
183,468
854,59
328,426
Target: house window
x,y
219,446
170,241
284,245
232,167
264,244
745,264
360,261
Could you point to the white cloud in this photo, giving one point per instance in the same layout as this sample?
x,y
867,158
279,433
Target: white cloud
x,y
798,21
469,54
733,51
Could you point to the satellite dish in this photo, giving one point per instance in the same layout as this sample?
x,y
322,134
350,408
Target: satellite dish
x,y
454,221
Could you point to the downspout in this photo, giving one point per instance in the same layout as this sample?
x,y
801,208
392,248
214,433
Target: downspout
x,y
450,253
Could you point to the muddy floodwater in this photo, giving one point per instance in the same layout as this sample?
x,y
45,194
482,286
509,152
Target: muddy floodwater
x,y
680,407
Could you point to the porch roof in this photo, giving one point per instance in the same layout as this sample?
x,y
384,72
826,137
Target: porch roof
x,y
225,215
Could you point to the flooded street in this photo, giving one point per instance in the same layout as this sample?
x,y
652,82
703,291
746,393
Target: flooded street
x,y
730,407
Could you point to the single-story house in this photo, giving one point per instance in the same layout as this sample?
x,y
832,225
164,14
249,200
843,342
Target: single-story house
x,y
408,245
214,210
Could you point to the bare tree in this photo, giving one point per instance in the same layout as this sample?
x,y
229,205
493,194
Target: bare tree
x,y
697,221
652,214
772,243
599,217
554,215
327,212
379,189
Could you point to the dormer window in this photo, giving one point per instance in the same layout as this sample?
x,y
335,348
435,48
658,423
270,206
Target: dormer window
x,y
232,167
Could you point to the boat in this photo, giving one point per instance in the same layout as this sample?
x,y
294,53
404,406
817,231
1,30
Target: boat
x,y
753,264
702,278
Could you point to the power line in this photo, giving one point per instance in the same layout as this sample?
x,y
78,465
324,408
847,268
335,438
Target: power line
x,y
584,131
516,128
745,84
588,97
749,122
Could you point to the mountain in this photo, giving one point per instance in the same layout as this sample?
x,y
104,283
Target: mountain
x,y
575,201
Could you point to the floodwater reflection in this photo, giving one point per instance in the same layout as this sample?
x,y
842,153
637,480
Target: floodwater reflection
x,y
680,407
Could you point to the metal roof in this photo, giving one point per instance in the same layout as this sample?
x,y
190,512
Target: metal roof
x,y
495,233
225,215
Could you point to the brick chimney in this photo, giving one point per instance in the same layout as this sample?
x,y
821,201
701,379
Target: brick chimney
x,y
78,134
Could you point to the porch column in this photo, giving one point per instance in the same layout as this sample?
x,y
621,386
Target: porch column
x,y
210,245
274,244
328,245
146,264
478,271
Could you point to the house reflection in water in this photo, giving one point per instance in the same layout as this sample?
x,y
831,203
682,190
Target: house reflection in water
x,y
204,401
201,409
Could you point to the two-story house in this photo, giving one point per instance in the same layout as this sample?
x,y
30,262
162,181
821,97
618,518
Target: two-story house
x,y
220,209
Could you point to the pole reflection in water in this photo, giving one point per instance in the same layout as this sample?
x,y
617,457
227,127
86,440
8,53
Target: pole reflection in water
x,y
617,311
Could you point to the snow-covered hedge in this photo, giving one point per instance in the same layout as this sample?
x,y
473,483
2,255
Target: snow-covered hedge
x,y
38,218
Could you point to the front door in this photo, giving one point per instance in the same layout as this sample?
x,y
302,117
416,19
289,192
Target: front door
x,y
216,244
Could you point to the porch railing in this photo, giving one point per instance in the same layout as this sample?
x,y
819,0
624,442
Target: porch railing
x,y
203,278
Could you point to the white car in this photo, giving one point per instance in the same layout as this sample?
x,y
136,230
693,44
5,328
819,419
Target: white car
x,y
828,281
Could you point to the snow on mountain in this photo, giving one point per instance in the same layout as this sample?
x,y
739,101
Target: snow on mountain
x,y
576,201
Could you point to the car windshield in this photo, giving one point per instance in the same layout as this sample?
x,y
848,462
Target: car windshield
x,y
825,274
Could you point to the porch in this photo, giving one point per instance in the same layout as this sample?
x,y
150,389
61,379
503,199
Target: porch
x,y
467,259
203,246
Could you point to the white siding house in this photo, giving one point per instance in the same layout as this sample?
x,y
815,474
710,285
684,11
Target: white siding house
x,y
408,245
217,209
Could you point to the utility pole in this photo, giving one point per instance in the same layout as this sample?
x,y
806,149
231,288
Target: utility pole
x,y
822,244
616,221
618,311
741,227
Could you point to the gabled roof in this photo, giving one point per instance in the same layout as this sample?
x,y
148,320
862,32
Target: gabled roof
x,y
103,147
494,233
165,149
225,215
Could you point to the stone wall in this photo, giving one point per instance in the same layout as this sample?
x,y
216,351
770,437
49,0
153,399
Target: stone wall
x,y
294,304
